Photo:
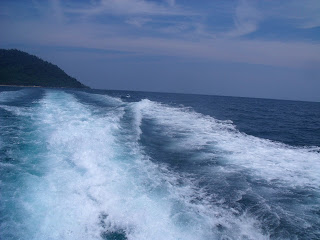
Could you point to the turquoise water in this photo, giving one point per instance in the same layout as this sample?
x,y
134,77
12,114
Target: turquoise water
x,y
135,165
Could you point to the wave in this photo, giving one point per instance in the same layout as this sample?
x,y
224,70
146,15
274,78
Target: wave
x,y
111,101
273,161
269,181
92,185
8,96
85,172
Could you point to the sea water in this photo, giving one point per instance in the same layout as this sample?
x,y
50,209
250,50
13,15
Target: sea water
x,y
92,164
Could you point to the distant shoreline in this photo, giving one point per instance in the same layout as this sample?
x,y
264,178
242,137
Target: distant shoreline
x,y
1,85
17,86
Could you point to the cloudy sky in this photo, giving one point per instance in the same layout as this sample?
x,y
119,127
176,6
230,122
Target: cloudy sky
x,y
268,49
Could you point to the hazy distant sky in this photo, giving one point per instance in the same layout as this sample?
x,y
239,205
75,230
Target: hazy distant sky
x,y
267,49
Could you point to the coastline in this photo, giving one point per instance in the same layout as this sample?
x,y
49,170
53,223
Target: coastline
x,y
34,86
1,85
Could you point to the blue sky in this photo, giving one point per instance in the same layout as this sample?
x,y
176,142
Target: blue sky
x,y
267,49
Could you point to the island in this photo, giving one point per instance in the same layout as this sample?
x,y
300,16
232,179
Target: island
x,y
18,68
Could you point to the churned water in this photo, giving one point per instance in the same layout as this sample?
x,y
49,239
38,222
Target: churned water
x,y
120,165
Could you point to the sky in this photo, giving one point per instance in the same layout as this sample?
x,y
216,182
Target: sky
x,y
265,49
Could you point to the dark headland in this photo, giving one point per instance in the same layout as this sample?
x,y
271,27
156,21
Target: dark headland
x,y
18,68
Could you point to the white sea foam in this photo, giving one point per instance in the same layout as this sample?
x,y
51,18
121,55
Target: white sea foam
x,y
19,111
115,101
92,183
270,160
8,96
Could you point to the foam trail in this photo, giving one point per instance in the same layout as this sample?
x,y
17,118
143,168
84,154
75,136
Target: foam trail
x,y
113,101
89,182
8,96
275,183
270,160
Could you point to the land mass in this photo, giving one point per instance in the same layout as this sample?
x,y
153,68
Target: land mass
x,y
18,68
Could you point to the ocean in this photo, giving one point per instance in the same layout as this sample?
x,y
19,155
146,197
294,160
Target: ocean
x,y
116,165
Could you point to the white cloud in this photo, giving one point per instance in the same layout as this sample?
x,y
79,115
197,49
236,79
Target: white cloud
x,y
130,7
275,53
181,38
308,12
138,21
246,19
301,14
57,10
171,2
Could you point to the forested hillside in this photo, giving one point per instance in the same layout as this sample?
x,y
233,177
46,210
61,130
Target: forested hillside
x,y
20,68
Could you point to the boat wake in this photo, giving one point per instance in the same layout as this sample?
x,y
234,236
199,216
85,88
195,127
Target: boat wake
x,y
78,165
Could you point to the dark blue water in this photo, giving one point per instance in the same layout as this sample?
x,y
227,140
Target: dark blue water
x,y
99,164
